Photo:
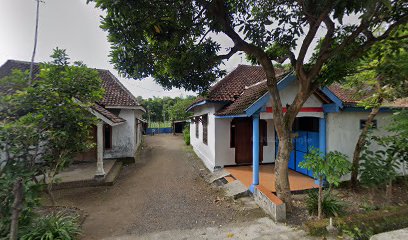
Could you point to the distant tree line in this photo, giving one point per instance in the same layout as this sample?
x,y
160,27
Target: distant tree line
x,y
166,109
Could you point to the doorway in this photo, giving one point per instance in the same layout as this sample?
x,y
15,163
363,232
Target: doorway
x,y
241,131
307,137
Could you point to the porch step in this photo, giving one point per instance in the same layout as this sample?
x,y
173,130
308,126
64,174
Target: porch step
x,y
218,174
113,174
236,190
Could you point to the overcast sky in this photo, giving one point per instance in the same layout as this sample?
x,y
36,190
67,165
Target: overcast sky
x,y
74,26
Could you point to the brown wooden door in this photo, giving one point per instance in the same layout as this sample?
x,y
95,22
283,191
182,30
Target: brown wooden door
x,y
243,140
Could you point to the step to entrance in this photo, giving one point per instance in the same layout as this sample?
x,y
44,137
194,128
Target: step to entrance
x,y
236,190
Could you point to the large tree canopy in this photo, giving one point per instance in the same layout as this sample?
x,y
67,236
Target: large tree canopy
x,y
174,42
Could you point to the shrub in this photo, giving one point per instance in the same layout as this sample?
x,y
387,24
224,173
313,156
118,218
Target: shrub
x,y
53,226
186,134
331,206
31,193
363,226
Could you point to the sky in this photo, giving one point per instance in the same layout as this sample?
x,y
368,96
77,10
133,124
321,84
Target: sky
x,y
72,25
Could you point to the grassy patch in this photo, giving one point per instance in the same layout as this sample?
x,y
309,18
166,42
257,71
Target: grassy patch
x,y
362,226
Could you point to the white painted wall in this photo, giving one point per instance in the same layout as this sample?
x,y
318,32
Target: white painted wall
x,y
124,141
343,130
205,151
225,155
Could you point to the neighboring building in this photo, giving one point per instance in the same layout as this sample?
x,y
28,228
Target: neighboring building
x,y
119,131
222,126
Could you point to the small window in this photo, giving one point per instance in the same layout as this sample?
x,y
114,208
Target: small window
x,y
363,123
197,122
232,134
107,136
205,131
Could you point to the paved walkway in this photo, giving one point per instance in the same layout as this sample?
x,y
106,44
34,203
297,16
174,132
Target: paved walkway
x,y
162,194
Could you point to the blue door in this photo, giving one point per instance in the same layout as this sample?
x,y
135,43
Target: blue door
x,y
307,138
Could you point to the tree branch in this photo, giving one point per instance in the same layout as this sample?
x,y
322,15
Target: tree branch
x,y
232,51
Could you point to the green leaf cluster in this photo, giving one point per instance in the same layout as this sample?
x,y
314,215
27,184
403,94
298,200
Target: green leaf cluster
x,y
331,167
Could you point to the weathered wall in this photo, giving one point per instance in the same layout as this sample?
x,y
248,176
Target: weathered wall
x,y
123,137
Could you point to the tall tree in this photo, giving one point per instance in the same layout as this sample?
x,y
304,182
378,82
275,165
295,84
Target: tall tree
x,y
173,41
381,77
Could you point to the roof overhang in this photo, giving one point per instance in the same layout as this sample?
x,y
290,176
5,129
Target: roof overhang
x,y
128,107
104,119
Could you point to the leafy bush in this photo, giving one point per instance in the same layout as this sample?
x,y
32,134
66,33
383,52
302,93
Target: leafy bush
x,y
55,226
186,134
331,206
31,193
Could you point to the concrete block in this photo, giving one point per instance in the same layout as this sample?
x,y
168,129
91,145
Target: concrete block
x,y
236,190
271,204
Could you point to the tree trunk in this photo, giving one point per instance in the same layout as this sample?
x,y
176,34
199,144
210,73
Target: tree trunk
x,y
35,42
320,198
17,207
360,144
282,172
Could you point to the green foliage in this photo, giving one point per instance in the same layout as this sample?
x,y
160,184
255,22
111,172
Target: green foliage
x,y
178,110
331,167
166,108
331,206
174,42
52,112
55,226
381,74
31,193
363,226
43,126
186,134
379,167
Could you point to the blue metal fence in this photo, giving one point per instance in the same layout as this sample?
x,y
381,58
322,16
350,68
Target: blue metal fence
x,y
151,131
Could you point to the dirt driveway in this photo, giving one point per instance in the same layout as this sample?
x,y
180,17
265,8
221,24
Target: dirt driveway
x,y
164,191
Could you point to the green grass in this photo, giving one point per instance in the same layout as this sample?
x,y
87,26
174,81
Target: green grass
x,y
166,124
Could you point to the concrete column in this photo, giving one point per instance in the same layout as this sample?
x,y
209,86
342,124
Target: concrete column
x,y
322,139
255,152
100,172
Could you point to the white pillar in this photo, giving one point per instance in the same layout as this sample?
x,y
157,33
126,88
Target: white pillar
x,y
100,172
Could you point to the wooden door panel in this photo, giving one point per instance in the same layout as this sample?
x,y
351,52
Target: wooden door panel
x,y
243,142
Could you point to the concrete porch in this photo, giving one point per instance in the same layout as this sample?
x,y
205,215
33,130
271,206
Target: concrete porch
x,y
298,182
83,175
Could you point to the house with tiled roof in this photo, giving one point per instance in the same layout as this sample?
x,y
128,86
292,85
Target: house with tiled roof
x,y
118,133
233,124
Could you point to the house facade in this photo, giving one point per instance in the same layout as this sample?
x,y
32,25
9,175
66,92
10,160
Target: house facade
x,y
234,125
118,132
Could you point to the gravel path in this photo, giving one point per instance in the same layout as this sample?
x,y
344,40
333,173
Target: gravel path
x,y
162,192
